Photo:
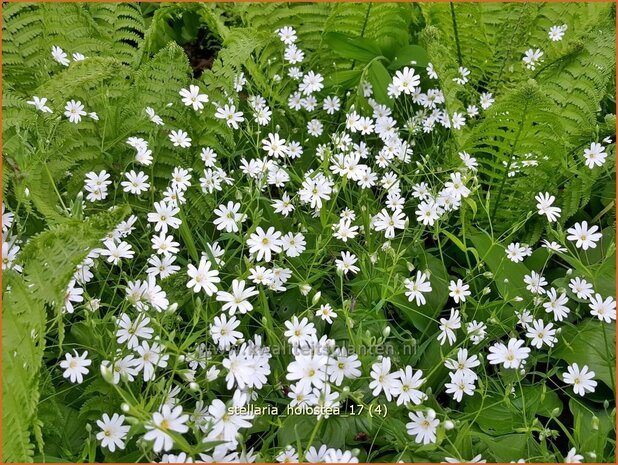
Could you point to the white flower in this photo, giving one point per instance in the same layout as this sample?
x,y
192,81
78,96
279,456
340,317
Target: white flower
x,y
192,97
541,334
417,287
312,82
228,217
448,326
75,366
581,288
544,206
74,110
293,244
460,384
164,217
387,222
583,236
315,128
405,387
149,358
230,115
383,379
343,366
162,422
463,363
516,252
532,58
72,294
339,456
573,456
203,277
39,104
331,104
223,331
346,263
164,245
113,431
275,146
406,81
264,243
604,310
116,252
458,290
462,79
226,424
130,331
557,304
293,54
511,356
153,116
423,426
136,183
553,246
180,139
486,100
299,332
308,370
287,34
556,33
60,56
326,312
315,189
78,56
288,455
595,155
582,380
238,299
535,282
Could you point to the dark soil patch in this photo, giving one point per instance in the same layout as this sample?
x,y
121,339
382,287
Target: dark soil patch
x,y
202,52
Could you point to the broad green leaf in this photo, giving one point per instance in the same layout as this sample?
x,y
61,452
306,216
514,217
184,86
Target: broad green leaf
x,y
380,80
592,428
508,276
593,343
345,78
354,48
410,55
510,447
423,316
497,417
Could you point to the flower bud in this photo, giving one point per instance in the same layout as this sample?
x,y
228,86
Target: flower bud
x,y
194,386
595,423
304,289
386,331
107,373
449,425
316,297
125,407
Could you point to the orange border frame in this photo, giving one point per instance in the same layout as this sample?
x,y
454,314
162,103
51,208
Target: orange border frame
x,y
290,1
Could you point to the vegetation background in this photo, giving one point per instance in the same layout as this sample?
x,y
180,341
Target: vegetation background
x,y
140,54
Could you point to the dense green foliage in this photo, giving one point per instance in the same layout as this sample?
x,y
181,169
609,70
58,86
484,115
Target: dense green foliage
x,y
141,55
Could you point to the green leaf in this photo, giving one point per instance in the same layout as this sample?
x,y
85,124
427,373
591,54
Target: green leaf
x,y
410,55
508,276
380,79
510,447
345,79
423,316
354,48
592,428
591,343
